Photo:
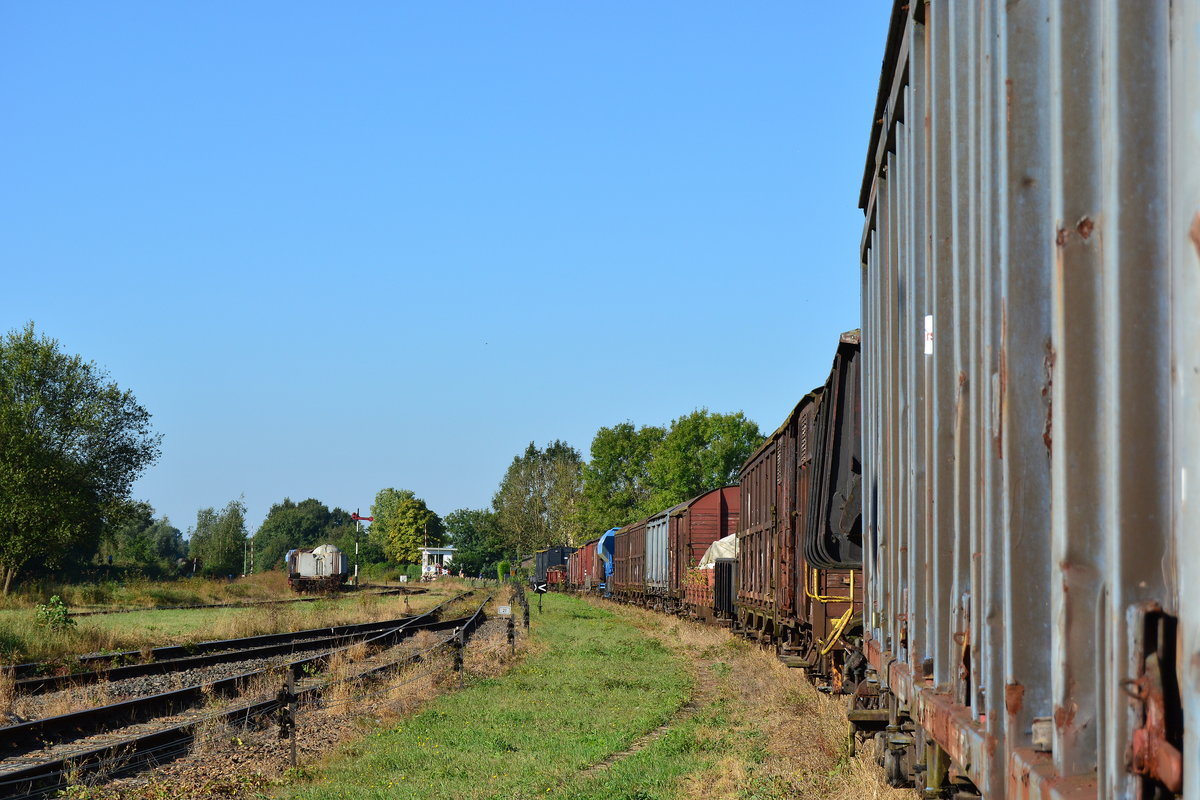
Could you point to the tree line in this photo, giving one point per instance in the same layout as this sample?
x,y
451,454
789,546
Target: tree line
x,y
72,443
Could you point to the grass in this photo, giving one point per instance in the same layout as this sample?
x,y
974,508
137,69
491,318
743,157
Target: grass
x,y
593,687
598,712
600,702
21,639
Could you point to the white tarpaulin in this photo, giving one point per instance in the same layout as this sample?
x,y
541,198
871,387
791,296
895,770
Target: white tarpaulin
x,y
721,548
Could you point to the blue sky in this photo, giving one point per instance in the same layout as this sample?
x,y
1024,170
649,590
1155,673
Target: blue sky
x,y
340,247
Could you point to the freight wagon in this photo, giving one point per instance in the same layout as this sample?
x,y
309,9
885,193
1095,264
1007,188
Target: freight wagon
x,y
1031,400
550,557
799,534
324,568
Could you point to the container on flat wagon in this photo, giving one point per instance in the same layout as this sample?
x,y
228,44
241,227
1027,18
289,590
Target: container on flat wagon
x,y
700,599
695,526
604,558
1031,378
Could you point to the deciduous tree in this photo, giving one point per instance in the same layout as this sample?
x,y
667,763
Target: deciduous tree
x,y
403,524
538,503
219,539
475,534
701,451
289,525
71,445
616,481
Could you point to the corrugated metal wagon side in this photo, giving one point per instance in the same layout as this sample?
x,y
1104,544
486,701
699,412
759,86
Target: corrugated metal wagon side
x,y
1031,399
629,562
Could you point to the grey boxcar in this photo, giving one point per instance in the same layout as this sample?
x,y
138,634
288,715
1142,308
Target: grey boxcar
x,y
1031,396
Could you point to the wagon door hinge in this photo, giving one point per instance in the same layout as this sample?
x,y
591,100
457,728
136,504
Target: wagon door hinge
x,y
1156,745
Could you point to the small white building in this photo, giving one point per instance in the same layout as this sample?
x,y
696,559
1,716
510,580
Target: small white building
x,y
436,560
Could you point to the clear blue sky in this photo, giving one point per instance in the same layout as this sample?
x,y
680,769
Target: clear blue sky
x,y
339,247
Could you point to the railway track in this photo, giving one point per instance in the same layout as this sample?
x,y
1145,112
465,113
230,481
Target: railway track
x,y
40,756
176,658
368,591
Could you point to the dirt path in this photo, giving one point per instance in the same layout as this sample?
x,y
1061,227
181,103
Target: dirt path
x,y
788,738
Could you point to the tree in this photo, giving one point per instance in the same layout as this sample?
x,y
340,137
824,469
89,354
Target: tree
x,y
701,452
140,541
616,482
403,524
289,525
539,503
71,445
475,534
219,539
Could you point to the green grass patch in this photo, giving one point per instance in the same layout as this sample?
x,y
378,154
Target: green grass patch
x,y
592,686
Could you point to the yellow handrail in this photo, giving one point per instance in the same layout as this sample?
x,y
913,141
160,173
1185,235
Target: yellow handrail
x,y
828,598
837,630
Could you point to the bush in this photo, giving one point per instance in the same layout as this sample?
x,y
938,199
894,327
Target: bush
x,y
54,615
502,570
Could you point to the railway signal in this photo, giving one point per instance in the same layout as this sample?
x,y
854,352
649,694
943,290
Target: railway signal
x,y
358,521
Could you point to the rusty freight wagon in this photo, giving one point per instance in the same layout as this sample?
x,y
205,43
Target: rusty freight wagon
x,y
1030,267
694,526
799,531
629,562
581,568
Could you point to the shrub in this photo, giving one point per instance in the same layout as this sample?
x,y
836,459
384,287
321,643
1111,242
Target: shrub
x,y
502,569
54,615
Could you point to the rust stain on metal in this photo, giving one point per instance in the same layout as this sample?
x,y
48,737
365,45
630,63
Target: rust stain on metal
x,y
1008,95
1062,236
1014,697
1085,227
1064,716
1194,233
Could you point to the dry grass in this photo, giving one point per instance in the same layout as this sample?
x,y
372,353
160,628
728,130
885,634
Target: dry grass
x,y
8,695
794,736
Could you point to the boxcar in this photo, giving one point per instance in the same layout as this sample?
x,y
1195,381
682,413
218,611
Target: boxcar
x,y
799,533
550,557
581,567
1031,343
629,562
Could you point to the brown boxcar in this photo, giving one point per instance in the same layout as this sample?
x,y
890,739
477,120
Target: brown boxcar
x,y
694,526
797,499
629,556
581,568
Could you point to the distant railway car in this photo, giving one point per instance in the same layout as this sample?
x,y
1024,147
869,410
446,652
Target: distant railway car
x,y
581,567
320,569
550,557
710,587
556,577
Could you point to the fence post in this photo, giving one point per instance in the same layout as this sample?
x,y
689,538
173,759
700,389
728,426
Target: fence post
x,y
512,636
287,712
458,654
